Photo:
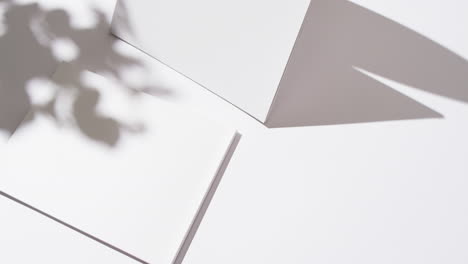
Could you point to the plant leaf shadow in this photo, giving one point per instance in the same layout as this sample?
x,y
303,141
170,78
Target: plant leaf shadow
x,y
321,86
28,52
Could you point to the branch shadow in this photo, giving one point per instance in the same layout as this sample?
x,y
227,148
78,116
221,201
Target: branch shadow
x,y
33,42
321,86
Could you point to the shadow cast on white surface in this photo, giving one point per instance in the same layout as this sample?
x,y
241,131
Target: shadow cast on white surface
x,y
70,226
33,41
197,217
206,201
321,85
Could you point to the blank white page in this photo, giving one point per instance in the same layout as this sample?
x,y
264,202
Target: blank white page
x,y
29,237
131,170
237,49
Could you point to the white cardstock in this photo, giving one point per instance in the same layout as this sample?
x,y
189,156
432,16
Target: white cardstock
x,y
123,166
236,49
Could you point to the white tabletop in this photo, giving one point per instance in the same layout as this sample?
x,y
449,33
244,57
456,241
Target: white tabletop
x,y
29,237
387,191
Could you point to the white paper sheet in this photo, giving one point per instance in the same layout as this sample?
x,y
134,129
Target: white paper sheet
x,y
366,192
123,166
29,237
237,49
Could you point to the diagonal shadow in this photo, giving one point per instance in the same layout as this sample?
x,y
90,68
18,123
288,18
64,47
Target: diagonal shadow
x,y
71,227
320,85
29,39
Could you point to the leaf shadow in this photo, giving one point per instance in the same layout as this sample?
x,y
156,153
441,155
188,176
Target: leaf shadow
x,y
29,50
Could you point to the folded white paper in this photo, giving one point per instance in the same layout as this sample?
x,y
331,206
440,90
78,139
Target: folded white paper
x,y
237,49
124,166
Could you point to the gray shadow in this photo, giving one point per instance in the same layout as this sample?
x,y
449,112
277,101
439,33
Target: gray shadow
x,y
26,53
120,19
193,227
22,58
14,199
183,249
321,87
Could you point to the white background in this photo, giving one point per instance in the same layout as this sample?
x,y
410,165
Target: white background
x,y
28,237
361,192
380,192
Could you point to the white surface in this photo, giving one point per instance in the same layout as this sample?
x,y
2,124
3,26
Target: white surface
x,y
131,170
380,192
390,192
269,179
3,140
28,237
237,49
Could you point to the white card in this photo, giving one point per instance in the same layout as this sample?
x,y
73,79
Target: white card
x,y
29,237
124,166
237,49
